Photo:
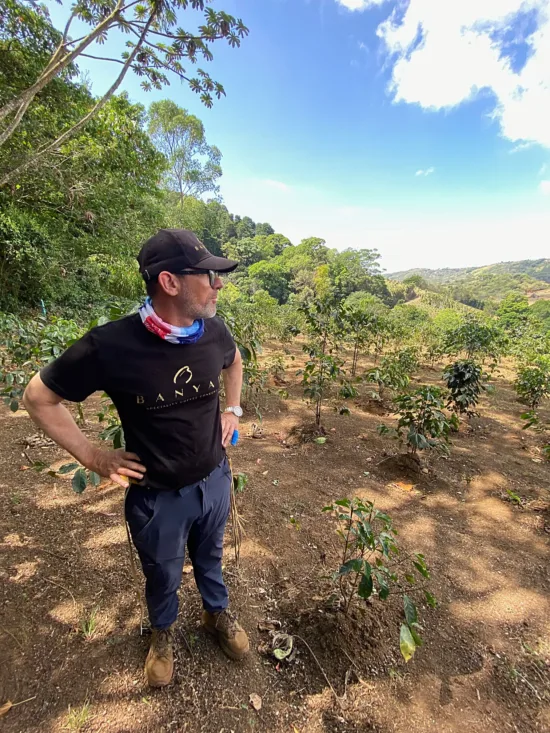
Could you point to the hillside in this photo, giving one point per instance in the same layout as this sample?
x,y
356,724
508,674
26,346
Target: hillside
x,y
531,277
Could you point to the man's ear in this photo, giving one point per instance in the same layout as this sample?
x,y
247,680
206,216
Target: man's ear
x,y
168,283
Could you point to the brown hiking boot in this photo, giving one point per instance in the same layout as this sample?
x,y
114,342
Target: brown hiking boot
x,y
230,634
159,665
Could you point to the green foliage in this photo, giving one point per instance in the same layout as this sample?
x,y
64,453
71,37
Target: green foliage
x,y
145,54
356,270
464,381
81,478
372,564
477,338
113,428
540,310
493,281
533,382
271,277
394,371
323,318
240,480
422,423
513,314
25,253
28,345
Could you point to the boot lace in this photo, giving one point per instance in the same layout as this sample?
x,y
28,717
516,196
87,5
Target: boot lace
x,y
227,622
163,642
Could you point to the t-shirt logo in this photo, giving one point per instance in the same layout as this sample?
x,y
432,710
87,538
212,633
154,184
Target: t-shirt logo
x,y
183,371
180,393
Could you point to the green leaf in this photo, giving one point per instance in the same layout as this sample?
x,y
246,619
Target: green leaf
x,y
67,468
355,566
410,610
94,478
430,599
365,584
320,441
410,578
343,502
79,481
383,587
14,405
407,644
416,636
422,569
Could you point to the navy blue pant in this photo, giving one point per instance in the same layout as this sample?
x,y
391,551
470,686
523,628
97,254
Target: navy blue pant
x,y
162,523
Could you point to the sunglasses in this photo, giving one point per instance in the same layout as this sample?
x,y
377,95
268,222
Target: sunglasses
x,y
212,275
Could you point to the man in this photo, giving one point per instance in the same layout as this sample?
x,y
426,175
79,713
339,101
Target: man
x,y
161,369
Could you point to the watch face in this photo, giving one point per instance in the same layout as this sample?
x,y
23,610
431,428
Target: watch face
x,y
238,411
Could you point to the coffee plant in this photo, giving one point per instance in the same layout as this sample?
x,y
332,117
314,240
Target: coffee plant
x,y
392,373
373,565
464,381
533,382
323,317
476,338
28,345
422,423
81,478
113,428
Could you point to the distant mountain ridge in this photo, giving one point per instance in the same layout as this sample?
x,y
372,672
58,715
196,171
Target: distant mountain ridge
x,y
538,270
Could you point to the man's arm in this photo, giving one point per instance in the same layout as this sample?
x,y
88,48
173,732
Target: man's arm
x,y
47,411
232,382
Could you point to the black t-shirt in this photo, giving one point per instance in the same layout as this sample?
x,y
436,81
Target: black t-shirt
x,y
167,395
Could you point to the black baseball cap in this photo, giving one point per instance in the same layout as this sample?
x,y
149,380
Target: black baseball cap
x,y
175,250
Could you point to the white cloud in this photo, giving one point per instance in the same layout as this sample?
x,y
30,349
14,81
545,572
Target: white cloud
x,y
446,52
427,172
544,187
359,4
276,184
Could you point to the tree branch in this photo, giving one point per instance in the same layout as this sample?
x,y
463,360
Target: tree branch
x,y
103,58
54,67
97,107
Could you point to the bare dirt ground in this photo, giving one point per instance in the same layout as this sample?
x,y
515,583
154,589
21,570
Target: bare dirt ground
x,y
485,663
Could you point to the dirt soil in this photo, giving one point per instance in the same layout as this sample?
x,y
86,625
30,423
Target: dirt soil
x,y
69,617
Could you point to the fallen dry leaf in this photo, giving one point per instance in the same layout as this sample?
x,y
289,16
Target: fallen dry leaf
x,y
6,707
255,701
404,486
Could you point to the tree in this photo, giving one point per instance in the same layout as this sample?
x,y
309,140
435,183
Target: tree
x,y
246,228
353,270
323,318
514,313
148,24
193,165
272,277
246,251
265,229
541,311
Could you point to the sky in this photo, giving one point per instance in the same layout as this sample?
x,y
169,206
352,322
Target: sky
x,y
420,128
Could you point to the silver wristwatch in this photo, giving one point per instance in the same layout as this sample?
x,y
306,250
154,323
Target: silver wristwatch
x,y
237,411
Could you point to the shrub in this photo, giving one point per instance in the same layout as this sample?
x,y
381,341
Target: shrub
x,y
464,381
533,382
372,564
422,423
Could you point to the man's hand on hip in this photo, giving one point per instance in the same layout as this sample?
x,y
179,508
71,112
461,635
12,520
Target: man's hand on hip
x,y
230,423
116,464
